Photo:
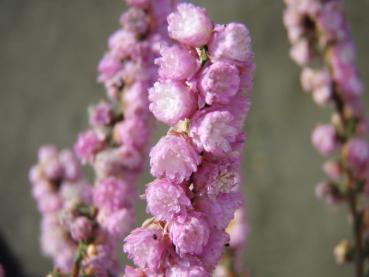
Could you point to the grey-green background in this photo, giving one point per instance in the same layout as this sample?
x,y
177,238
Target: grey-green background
x,y
48,54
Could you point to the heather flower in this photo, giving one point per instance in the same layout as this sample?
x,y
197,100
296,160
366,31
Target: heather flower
x,y
121,43
166,200
132,131
101,114
357,153
219,210
214,248
81,229
190,25
87,145
237,230
231,43
64,259
328,193
333,170
214,131
130,157
189,234
108,163
171,101
187,269
100,260
146,247
118,223
177,63
324,139
71,167
135,100
135,20
216,176
300,52
112,194
133,272
108,67
219,83
47,153
138,3
173,157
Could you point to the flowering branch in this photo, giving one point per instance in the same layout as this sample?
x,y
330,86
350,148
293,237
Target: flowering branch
x,y
114,145
320,36
199,94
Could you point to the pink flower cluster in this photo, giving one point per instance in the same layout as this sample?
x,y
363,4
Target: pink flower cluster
x,y
57,186
116,142
318,30
114,145
323,46
200,95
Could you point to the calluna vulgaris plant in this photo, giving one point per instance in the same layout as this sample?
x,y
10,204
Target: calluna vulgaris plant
x,y
322,45
81,225
200,95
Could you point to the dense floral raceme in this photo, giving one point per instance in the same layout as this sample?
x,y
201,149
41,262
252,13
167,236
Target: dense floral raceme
x,y
82,237
57,187
200,94
322,45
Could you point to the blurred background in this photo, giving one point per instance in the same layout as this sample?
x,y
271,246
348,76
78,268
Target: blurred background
x,y
48,56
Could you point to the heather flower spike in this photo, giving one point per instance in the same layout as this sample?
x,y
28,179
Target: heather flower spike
x,y
200,94
81,224
322,45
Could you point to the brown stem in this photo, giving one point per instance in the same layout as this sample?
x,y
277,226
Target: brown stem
x,y
352,192
75,269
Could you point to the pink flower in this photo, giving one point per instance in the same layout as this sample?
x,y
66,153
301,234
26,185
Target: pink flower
x,y
87,145
190,25
101,114
112,194
171,101
177,63
231,43
135,100
118,223
332,169
103,261
166,200
219,82
146,247
324,139
187,269
131,158
238,230
135,20
300,52
173,157
138,3
214,249
219,210
81,228
189,234
108,67
47,153
71,166
216,176
108,163
131,131
121,43
214,131
357,153
133,272
326,192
